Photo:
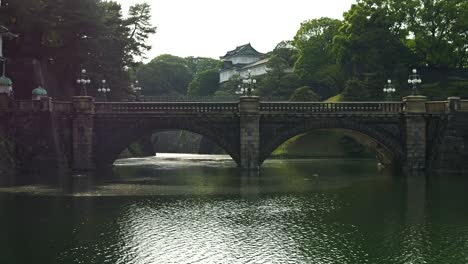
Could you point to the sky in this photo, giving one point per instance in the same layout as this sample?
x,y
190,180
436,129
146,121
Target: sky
x,y
210,28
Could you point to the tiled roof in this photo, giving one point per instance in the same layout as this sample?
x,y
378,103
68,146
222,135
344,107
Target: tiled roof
x,y
246,49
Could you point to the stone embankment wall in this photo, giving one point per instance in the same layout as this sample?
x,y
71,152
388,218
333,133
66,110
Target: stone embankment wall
x,y
7,157
451,150
34,143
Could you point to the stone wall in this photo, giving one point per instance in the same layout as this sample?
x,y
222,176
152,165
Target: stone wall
x,y
451,149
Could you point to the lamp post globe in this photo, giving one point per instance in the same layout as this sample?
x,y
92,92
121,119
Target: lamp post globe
x,y
83,80
104,89
414,80
249,83
137,89
389,89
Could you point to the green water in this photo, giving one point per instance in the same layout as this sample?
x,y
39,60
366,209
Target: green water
x,y
201,209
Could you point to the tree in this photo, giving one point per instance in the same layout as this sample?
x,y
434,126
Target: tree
x,y
304,93
69,35
316,63
230,87
279,80
140,29
367,43
165,77
201,64
356,90
205,83
440,30
277,85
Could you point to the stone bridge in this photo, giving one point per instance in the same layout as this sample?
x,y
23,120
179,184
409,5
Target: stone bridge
x,y
414,134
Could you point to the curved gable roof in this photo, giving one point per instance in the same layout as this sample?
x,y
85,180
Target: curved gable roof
x,y
246,49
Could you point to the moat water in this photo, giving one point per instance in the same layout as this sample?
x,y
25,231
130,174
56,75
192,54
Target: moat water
x,y
201,209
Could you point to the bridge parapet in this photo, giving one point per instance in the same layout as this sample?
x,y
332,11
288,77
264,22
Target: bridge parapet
x,y
464,105
437,107
166,107
28,105
341,107
63,107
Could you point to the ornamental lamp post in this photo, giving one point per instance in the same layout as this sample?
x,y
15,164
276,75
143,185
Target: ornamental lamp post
x,y
104,89
414,79
249,89
389,89
83,80
137,89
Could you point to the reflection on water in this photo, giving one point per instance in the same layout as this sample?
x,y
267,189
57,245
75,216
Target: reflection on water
x,y
201,209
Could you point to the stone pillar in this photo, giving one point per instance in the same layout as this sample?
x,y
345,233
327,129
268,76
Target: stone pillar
x,y
249,132
453,104
46,104
415,123
6,104
82,133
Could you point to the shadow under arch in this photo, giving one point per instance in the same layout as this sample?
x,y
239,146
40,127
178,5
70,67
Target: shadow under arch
x,y
388,148
110,142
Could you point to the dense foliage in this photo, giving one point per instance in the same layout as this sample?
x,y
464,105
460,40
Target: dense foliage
x,y
175,76
382,39
376,40
59,37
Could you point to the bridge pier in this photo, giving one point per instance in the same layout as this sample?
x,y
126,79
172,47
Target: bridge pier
x,y
82,133
249,132
415,136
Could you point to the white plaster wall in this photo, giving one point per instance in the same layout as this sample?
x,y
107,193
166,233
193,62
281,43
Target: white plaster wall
x,y
244,60
226,74
254,71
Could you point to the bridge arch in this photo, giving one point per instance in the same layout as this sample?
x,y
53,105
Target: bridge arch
x,y
388,146
112,137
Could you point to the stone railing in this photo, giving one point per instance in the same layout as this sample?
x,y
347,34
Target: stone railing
x,y
285,107
202,98
28,105
464,105
173,107
63,107
320,107
189,99
436,107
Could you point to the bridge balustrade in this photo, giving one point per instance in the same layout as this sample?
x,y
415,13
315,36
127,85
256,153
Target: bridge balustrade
x,y
437,107
222,99
173,107
63,107
464,105
28,105
321,107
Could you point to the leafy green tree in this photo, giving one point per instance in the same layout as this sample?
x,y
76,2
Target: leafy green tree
x,y
304,93
229,87
138,22
316,63
205,73
356,90
168,58
279,80
438,31
165,75
201,64
367,43
286,51
275,86
68,35
205,83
